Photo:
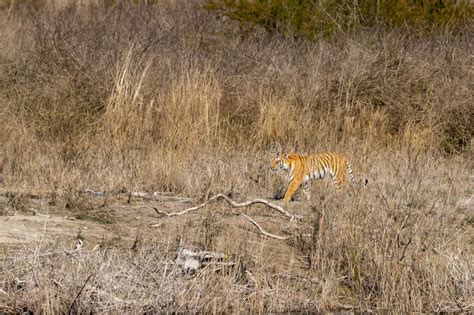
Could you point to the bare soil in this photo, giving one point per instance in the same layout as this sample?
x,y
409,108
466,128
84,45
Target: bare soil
x,y
117,221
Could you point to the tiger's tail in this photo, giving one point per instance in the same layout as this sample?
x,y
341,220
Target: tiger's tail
x,y
352,178
350,173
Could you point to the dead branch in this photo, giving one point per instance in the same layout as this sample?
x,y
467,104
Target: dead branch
x,y
265,232
161,198
253,278
157,196
233,204
39,214
80,291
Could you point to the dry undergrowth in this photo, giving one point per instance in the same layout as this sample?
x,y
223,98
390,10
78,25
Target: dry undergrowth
x,y
169,98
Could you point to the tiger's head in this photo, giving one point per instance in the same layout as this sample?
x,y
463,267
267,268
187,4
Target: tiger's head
x,y
281,162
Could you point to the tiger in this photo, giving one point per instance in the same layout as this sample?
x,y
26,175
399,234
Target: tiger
x,y
303,168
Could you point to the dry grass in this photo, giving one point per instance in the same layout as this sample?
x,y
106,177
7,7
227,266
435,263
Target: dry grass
x,y
169,98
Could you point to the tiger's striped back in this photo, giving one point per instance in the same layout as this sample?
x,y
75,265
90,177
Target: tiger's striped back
x,y
333,164
303,168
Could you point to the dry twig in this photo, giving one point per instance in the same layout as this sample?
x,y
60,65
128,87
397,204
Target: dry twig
x,y
265,232
80,291
233,204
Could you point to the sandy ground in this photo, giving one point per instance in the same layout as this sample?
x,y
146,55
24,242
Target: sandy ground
x,y
118,220
37,221
21,228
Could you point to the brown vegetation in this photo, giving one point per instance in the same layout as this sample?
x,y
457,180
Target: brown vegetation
x,y
168,98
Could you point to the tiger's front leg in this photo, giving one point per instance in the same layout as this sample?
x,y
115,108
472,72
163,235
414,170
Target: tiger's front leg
x,y
292,187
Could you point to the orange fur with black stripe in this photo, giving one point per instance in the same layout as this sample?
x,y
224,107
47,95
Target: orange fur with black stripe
x,y
303,168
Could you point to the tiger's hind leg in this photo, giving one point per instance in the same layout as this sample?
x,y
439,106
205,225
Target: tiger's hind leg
x,y
337,180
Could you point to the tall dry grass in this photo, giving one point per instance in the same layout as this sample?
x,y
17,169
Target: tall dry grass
x,y
151,85
167,97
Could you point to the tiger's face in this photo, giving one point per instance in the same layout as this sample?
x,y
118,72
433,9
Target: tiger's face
x,y
280,162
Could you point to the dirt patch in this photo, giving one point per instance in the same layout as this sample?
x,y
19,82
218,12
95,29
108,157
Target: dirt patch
x,y
95,224
18,229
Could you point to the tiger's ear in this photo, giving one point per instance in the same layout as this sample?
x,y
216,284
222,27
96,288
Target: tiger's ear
x,y
290,155
275,148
